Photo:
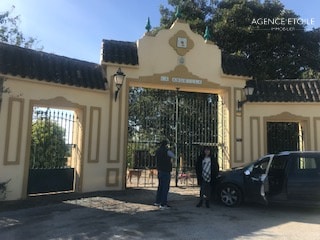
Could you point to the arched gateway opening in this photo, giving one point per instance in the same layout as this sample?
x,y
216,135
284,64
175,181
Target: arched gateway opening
x,y
55,147
188,120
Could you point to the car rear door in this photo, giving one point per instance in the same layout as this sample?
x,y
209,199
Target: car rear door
x,y
304,178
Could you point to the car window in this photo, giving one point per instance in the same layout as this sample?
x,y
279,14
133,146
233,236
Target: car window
x,y
261,166
306,166
306,162
279,163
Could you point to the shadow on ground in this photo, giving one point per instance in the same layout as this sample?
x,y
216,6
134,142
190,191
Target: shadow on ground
x,y
132,195
129,214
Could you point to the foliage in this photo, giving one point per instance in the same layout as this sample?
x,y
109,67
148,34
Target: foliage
x,y
3,89
3,189
144,115
287,53
10,33
48,147
198,14
149,123
273,51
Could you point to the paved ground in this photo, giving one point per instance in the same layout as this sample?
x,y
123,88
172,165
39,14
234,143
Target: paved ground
x,y
130,215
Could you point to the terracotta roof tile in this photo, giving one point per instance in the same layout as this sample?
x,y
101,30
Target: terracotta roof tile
x,y
296,90
27,63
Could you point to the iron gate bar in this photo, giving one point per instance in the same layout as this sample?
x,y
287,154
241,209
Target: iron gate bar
x,y
176,135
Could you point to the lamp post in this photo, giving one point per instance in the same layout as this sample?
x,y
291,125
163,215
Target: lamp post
x,y
118,78
248,91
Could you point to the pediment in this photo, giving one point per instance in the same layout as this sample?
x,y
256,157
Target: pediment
x,y
285,116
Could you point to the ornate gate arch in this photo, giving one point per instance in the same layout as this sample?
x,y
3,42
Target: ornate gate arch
x,y
189,120
52,179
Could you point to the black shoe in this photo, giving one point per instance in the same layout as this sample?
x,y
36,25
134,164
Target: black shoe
x,y
207,204
199,204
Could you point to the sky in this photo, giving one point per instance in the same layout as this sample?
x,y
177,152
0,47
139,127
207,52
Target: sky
x,y
76,28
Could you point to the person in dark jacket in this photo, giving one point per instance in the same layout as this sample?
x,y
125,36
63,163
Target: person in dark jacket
x,y
207,169
164,167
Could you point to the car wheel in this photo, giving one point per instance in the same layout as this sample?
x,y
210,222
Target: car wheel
x,y
230,195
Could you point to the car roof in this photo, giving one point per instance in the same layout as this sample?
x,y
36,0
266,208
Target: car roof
x,y
297,152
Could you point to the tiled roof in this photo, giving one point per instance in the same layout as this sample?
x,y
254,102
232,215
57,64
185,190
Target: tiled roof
x,y
27,63
234,65
120,52
298,90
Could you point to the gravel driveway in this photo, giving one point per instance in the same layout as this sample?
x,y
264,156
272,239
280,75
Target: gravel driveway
x,y
130,214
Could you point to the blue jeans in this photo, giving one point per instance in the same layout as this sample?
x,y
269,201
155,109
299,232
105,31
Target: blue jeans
x,y
163,187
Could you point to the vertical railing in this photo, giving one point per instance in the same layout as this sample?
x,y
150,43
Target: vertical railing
x,y
188,120
177,163
52,136
283,136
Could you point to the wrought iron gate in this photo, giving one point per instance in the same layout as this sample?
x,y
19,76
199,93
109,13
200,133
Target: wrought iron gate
x,y
50,155
284,136
188,120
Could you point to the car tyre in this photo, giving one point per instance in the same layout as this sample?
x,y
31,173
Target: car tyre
x,y
230,195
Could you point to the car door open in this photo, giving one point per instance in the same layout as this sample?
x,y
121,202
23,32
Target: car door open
x,y
256,180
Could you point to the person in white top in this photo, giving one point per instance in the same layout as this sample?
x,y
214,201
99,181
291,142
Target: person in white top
x,y
207,169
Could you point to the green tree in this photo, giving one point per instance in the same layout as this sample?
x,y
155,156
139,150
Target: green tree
x,y
289,53
10,33
273,51
48,146
197,13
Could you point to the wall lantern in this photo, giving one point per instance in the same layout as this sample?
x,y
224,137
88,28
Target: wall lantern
x,y
248,92
118,78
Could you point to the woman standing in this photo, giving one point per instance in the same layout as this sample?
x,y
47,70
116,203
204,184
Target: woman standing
x,y
207,169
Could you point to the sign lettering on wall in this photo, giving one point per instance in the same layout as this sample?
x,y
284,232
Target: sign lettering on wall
x,y
181,80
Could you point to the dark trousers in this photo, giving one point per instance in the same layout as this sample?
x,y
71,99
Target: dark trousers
x,y
163,187
205,190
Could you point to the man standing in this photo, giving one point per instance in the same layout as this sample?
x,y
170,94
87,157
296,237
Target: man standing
x,y
164,166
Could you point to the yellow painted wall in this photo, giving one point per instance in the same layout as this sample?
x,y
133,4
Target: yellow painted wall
x,y
256,115
93,106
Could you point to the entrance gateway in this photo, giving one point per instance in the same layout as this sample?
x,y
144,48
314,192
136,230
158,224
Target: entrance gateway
x,y
183,108
185,67
176,89
187,120
190,71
